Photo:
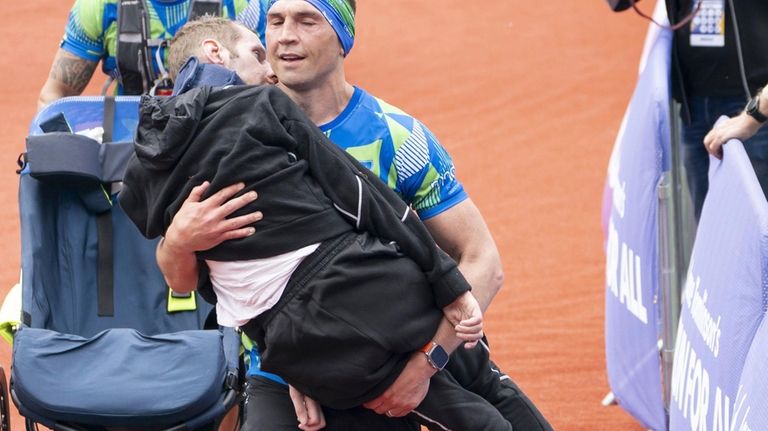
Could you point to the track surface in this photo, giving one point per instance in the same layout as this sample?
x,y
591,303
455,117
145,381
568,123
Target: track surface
x,y
527,96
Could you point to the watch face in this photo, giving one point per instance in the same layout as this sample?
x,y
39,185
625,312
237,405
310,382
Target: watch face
x,y
439,356
752,105
753,109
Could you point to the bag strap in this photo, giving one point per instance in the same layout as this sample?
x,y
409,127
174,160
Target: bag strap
x,y
109,118
134,62
200,8
105,269
105,289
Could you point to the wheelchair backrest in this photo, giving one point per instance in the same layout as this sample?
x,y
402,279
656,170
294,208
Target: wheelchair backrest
x,y
86,270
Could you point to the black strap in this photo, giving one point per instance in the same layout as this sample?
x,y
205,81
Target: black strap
x,y
105,287
134,61
109,118
105,280
200,8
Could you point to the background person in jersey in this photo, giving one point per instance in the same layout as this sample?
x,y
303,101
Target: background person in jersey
x,y
307,54
91,33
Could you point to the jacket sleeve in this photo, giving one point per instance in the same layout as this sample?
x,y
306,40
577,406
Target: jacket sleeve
x,y
373,207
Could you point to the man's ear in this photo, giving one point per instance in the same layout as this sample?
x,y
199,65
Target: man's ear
x,y
214,52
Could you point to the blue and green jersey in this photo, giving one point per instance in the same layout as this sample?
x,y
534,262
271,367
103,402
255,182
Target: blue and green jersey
x,y
91,31
400,150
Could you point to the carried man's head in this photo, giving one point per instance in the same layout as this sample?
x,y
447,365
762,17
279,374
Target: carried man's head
x,y
307,40
223,42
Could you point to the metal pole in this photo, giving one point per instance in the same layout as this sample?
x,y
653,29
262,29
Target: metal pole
x,y
674,250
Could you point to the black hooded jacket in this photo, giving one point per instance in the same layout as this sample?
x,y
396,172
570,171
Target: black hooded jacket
x,y
309,190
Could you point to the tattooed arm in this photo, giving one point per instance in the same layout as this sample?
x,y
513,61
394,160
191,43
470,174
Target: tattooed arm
x,y
68,77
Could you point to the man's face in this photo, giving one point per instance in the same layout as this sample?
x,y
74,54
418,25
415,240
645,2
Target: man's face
x,y
248,58
303,48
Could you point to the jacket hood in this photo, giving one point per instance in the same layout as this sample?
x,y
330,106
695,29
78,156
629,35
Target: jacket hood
x,y
166,127
167,124
194,74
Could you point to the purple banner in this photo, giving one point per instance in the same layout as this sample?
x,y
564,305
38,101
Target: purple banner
x,y
723,303
630,218
750,406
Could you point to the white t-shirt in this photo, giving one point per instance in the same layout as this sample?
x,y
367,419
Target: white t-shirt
x,y
246,288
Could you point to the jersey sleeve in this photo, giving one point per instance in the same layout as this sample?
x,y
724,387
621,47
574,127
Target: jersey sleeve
x,y
84,33
426,174
253,15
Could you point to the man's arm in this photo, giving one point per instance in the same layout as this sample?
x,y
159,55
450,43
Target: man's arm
x,y
201,224
741,127
462,233
69,76
411,386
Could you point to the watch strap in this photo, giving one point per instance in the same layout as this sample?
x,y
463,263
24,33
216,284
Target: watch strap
x,y
753,108
430,349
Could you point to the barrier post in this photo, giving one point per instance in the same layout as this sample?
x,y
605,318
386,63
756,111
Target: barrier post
x,y
674,249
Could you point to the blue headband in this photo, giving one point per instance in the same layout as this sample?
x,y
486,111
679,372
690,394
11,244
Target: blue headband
x,y
340,16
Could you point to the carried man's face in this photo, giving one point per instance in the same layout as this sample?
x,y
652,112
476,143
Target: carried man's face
x,y
249,60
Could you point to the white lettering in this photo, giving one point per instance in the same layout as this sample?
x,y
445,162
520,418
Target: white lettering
x,y
727,416
690,384
721,419
618,193
619,198
682,351
612,259
640,311
707,326
691,395
690,377
743,425
630,288
623,274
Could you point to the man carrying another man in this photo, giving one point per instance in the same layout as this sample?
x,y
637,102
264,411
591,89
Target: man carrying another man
x,y
307,42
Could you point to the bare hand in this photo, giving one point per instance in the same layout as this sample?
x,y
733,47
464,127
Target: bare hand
x,y
741,127
407,391
201,225
467,317
308,411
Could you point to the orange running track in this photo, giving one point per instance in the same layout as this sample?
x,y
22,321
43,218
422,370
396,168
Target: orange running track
x,y
527,97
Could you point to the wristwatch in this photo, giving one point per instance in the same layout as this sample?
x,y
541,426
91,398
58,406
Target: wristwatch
x,y
753,108
436,355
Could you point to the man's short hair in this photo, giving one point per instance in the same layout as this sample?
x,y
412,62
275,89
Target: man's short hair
x,y
188,40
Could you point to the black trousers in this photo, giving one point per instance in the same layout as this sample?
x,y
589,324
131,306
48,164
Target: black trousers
x,y
350,317
475,371
268,406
